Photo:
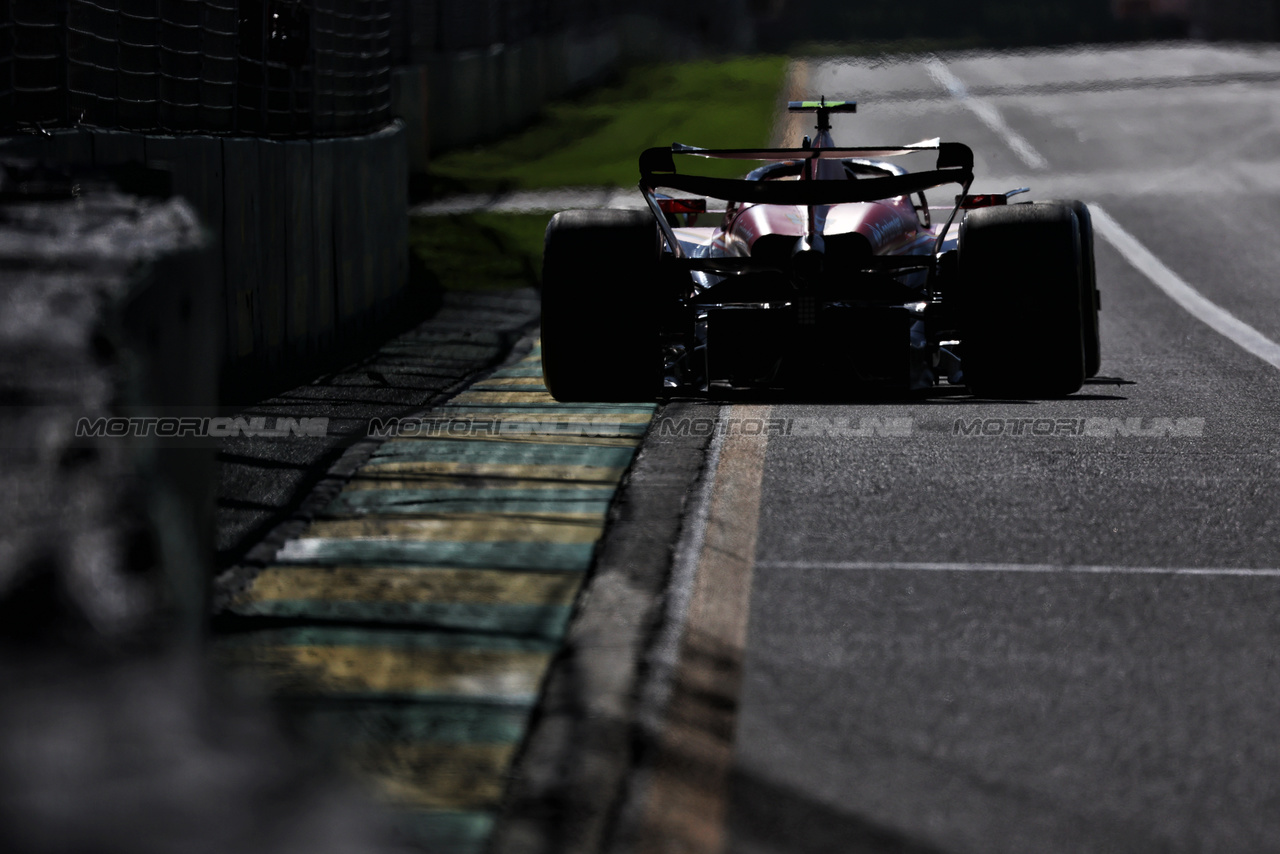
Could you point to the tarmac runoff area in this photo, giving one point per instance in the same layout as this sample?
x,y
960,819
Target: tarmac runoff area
x,y
414,619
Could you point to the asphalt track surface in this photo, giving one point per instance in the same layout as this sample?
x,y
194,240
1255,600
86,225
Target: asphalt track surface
x,y
1056,631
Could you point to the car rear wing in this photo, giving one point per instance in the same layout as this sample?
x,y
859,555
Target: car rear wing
x,y
658,169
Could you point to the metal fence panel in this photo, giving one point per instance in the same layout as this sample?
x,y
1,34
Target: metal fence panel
x,y
92,57
284,69
353,64
180,50
6,69
39,62
137,69
218,65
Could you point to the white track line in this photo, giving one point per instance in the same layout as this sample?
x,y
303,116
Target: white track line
x,y
663,658
904,566
664,655
985,112
1218,318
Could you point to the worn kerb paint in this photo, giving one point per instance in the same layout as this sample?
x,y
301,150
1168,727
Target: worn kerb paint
x,y
471,483
446,500
430,596
560,475
684,810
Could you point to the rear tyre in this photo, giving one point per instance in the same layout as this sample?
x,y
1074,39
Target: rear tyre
x,y
599,307
1090,297
1021,319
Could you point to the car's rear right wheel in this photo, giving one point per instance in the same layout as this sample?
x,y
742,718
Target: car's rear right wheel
x,y
1022,320
1090,297
600,337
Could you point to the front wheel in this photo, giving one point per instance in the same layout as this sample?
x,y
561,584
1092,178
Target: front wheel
x,y
1021,318
600,337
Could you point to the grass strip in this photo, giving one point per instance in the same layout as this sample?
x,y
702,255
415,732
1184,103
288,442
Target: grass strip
x,y
595,139
480,251
590,140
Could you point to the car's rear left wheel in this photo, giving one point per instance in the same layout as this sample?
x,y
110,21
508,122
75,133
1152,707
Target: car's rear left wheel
x,y
1022,323
600,337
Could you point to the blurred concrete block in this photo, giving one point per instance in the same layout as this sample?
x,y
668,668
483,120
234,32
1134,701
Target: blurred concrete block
x,y
108,531
155,755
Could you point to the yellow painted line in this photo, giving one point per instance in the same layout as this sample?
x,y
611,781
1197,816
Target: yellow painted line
x,y
515,471
502,398
536,438
435,776
390,584
466,528
376,669
431,481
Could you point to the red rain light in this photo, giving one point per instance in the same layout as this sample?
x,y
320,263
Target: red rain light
x,y
984,200
683,206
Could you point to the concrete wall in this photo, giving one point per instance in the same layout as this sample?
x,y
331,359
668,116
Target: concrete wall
x,y
478,94
490,66
410,105
1237,20
312,238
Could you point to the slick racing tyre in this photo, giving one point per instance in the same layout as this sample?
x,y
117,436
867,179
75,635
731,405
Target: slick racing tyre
x,y
1089,295
599,312
1021,318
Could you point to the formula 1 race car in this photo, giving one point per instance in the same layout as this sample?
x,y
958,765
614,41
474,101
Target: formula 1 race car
x,y
826,273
